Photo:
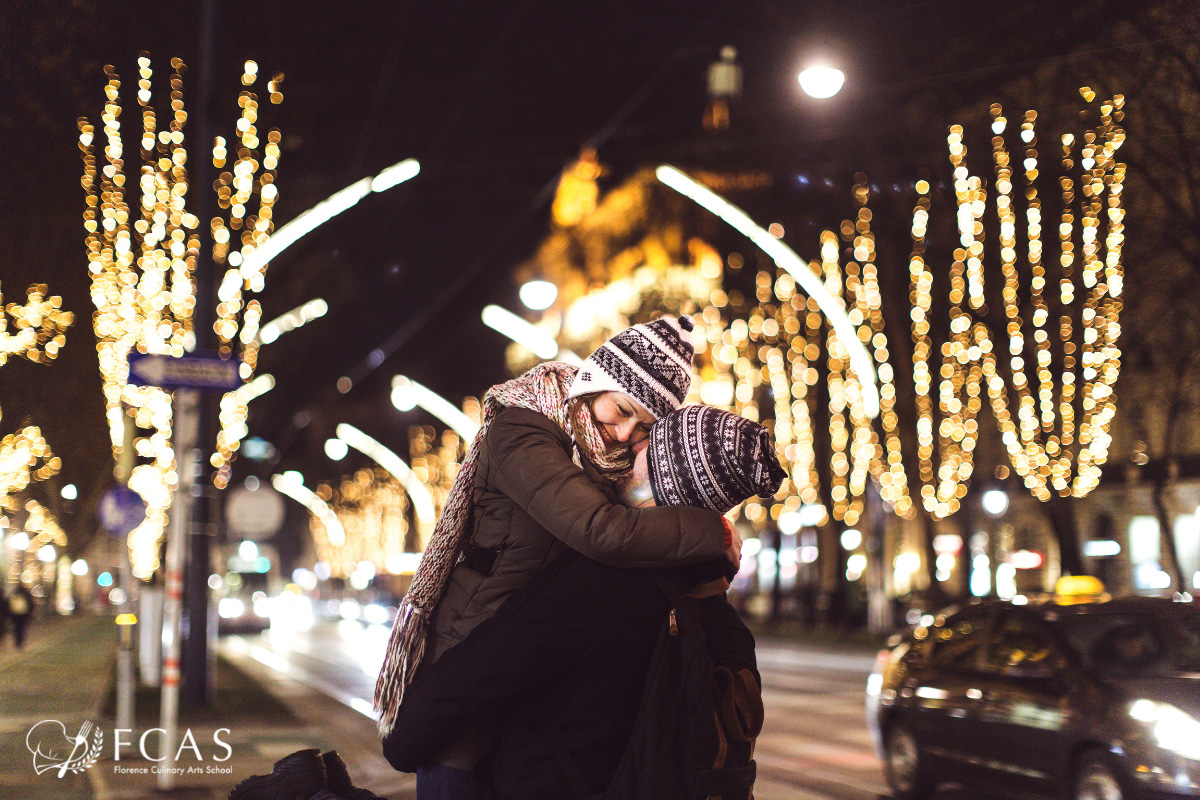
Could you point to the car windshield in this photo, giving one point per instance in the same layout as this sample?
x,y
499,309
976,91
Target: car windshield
x,y
1133,644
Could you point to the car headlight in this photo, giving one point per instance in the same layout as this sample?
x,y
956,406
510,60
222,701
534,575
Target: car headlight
x,y
230,607
1173,729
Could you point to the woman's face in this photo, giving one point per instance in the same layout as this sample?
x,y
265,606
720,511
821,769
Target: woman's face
x,y
622,420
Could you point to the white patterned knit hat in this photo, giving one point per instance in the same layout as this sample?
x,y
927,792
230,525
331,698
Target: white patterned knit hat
x,y
709,458
651,362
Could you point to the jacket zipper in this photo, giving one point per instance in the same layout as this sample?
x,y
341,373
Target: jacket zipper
x,y
673,624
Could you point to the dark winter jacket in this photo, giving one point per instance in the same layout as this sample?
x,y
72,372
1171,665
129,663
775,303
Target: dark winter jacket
x,y
559,671
531,502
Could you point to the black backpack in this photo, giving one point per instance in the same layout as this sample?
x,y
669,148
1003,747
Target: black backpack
x,y
701,709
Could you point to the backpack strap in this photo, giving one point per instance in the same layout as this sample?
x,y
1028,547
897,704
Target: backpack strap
x,y
741,708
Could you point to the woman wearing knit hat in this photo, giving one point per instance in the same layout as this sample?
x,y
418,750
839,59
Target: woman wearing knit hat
x,y
538,479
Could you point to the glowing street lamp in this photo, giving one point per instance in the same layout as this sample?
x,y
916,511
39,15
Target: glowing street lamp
x,y
291,483
786,258
407,394
527,335
313,309
256,261
538,295
336,449
995,502
821,81
422,500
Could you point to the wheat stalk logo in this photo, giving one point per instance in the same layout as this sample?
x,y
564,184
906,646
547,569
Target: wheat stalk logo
x,y
47,739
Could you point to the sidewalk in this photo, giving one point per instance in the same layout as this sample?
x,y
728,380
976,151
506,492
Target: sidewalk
x,y
257,717
61,675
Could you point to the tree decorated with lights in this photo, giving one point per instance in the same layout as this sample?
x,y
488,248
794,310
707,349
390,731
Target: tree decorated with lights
x,y
35,330
1036,409
372,534
371,511
142,244
775,357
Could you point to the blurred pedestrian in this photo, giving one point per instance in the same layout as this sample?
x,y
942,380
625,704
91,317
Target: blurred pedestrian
x,y
20,609
4,616
538,481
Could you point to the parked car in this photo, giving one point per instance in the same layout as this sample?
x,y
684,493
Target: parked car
x,y
1096,700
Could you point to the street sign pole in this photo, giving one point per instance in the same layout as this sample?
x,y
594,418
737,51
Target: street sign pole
x,y
125,655
186,403
198,654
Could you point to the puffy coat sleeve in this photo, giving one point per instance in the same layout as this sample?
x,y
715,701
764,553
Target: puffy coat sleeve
x,y
528,464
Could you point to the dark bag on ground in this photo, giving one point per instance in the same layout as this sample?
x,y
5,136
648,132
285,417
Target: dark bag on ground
x,y
700,712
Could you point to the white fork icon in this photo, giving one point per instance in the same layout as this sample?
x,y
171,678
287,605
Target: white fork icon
x,y
81,740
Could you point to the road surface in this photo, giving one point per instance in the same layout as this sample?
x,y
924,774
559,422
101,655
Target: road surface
x,y
814,745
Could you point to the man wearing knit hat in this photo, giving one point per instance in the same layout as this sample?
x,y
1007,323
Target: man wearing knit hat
x,y
562,664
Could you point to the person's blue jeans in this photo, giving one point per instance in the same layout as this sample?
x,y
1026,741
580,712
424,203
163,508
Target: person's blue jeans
x,y
439,782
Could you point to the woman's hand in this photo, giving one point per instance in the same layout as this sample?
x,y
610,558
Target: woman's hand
x,y
733,544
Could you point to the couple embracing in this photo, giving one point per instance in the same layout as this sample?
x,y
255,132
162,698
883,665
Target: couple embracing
x,y
589,502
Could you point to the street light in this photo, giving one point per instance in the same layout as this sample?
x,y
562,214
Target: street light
x,y
407,394
786,259
313,309
538,295
526,334
69,492
995,502
291,483
423,505
336,449
256,260
821,81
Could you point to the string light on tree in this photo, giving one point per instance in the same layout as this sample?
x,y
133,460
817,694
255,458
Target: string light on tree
x,y
36,332
372,508
1046,448
142,247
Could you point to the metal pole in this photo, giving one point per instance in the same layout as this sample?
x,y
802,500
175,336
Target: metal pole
x,y
185,427
125,655
197,652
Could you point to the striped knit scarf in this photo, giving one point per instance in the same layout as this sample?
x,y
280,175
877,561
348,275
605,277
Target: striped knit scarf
x,y
542,389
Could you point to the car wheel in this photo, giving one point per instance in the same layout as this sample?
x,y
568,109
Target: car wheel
x,y
903,768
1095,779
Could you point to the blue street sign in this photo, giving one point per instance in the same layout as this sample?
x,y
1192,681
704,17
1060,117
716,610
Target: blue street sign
x,y
193,371
121,510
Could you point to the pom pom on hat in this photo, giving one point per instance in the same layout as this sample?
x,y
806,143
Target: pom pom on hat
x,y
651,362
706,457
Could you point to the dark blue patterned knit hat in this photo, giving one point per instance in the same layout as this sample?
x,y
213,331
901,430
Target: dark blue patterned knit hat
x,y
651,362
705,457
